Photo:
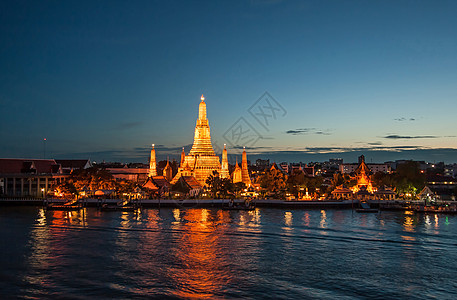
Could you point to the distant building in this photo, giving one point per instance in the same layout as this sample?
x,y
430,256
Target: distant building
x,y
375,168
69,165
29,177
450,170
262,163
132,174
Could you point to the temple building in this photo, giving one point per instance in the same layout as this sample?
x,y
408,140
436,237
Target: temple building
x,y
363,177
242,174
201,160
237,175
168,172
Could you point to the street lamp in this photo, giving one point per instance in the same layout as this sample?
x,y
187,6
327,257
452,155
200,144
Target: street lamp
x,y
42,192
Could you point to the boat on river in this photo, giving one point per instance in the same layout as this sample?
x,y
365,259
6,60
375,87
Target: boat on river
x,y
71,205
123,205
243,205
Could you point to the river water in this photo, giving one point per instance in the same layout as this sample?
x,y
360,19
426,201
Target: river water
x,y
217,254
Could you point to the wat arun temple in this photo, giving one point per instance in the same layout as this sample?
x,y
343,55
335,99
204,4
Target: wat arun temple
x,y
201,161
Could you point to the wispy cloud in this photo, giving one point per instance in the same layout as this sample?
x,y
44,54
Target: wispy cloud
x,y
304,131
403,119
410,137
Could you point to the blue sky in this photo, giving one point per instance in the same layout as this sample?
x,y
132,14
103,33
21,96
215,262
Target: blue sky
x,y
105,79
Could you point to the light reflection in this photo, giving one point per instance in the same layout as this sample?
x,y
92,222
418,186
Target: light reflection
x,y
306,219
437,225
323,222
288,219
41,219
62,217
408,224
177,215
204,270
428,222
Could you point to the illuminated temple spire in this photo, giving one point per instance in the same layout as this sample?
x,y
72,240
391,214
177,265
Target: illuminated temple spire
x,y
201,160
202,137
224,165
167,171
152,163
244,168
183,157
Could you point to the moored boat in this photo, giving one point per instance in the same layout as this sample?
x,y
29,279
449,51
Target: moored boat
x,y
245,205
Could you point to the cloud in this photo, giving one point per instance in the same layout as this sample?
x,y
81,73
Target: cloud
x,y
303,131
350,154
409,137
305,154
403,119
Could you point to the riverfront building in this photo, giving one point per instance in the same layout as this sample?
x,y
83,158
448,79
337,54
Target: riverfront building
x,y
29,177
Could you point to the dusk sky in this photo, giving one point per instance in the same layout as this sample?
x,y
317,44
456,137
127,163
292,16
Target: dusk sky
x,y
106,79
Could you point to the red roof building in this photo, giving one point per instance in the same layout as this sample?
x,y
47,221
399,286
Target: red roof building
x,y
29,177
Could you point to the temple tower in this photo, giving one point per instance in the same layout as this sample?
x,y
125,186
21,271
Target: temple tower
x,y
224,165
152,163
183,157
201,159
244,169
168,172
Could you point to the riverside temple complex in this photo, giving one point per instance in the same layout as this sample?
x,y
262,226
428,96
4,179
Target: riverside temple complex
x,y
201,161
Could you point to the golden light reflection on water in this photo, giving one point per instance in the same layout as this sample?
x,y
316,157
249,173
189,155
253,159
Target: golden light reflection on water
x,y
247,220
62,217
409,226
177,215
323,222
41,219
288,219
204,270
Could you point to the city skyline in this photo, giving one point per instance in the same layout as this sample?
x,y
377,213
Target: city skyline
x,y
105,80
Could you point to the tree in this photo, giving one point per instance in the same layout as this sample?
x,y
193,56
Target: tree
x,y
274,182
408,178
237,188
214,183
66,188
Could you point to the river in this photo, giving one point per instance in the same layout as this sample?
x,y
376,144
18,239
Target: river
x,y
215,254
